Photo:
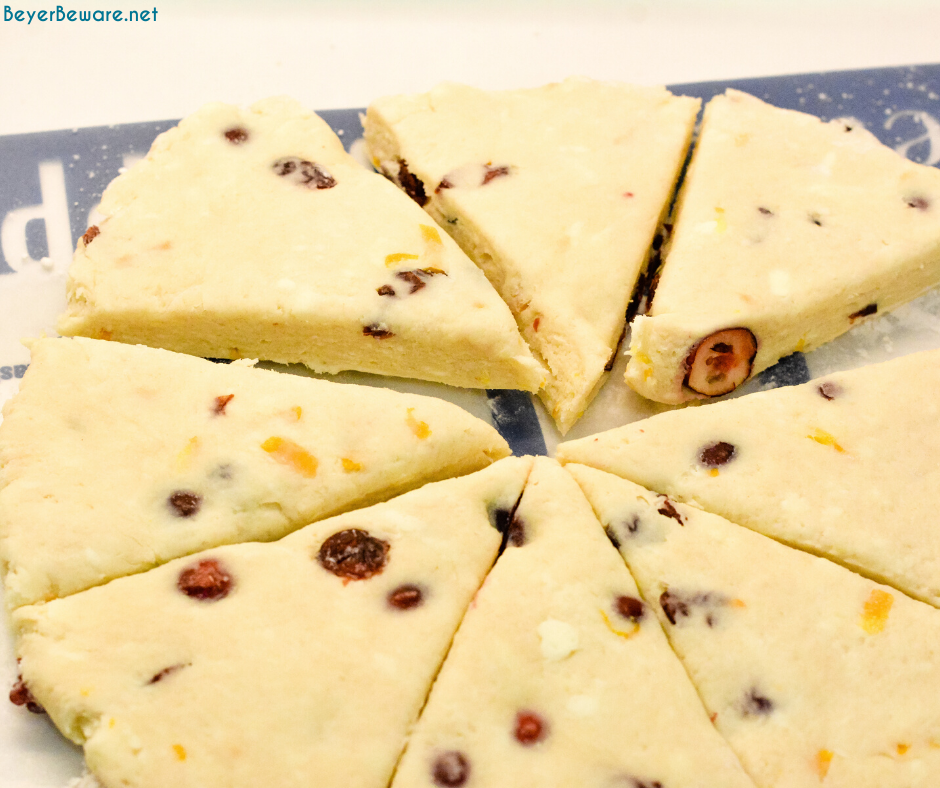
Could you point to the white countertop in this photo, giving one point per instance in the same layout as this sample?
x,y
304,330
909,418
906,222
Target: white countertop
x,y
334,54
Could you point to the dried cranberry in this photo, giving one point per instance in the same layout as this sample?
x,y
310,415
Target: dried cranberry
x,y
184,503
864,312
451,769
716,454
207,581
721,361
612,536
411,183
630,607
304,173
494,172
530,728
829,390
221,402
237,135
406,597
90,234
166,672
376,330
385,290
668,510
354,554
673,606
21,696
918,202
765,211
756,704
412,278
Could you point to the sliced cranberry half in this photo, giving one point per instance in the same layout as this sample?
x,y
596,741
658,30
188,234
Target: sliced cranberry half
x,y
530,728
721,362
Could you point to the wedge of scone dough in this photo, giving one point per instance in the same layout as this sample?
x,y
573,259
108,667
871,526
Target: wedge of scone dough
x,y
555,192
845,466
814,675
789,232
560,675
115,458
292,664
252,234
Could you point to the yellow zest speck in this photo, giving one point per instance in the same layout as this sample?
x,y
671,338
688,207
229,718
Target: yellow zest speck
x,y
84,692
180,752
934,744
800,345
643,358
903,748
286,452
738,603
394,259
620,633
419,428
111,722
824,438
186,454
435,270
430,234
721,223
713,472
877,608
823,759
647,373
297,411
741,139
351,465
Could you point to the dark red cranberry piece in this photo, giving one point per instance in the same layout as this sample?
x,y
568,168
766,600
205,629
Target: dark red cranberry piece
x,y
21,696
451,769
377,331
492,172
756,705
673,606
918,202
166,672
412,184
90,234
864,312
611,534
765,211
354,554
221,402
184,503
237,135
516,533
829,390
716,454
816,219
304,173
630,607
207,581
668,510
721,361
413,279
530,728
385,290
406,597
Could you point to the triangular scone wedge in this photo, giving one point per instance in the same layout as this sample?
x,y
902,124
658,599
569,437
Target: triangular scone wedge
x,y
555,192
115,458
559,675
294,664
814,675
845,466
789,231
252,234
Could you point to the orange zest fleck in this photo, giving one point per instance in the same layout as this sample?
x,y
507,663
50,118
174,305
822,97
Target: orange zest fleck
x,y
394,259
351,465
877,608
825,439
297,411
535,323
823,759
419,428
619,632
180,752
713,472
430,234
721,224
286,452
800,345
105,334
903,748
738,603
